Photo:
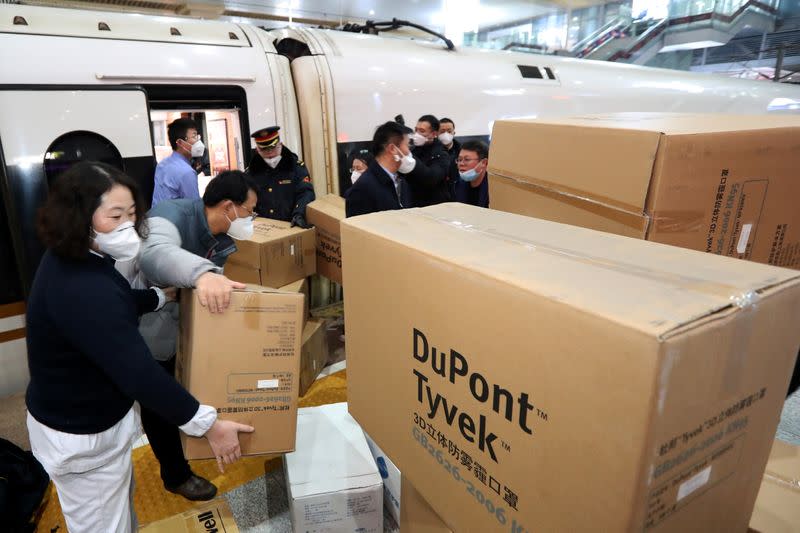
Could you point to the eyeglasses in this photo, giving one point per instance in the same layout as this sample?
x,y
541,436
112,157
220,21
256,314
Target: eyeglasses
x,y
465,160
252,215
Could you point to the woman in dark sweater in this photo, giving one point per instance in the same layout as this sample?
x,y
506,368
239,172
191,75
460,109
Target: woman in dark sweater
x,y
88,363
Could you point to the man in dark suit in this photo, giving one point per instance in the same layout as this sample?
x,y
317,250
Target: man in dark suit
x,y
378,188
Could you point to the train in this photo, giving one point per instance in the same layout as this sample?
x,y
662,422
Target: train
x,y
79,84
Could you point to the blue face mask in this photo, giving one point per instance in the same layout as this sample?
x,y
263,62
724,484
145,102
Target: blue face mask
x,y
469,175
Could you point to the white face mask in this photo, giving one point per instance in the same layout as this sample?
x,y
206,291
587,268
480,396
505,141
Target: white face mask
x,y
272,161
122,244
446,138
419,139
407,163
354,175
198,148
241,228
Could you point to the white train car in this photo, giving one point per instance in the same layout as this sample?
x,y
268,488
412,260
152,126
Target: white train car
x,y
94,85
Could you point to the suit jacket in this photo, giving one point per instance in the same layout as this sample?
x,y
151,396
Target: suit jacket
x,y
374,191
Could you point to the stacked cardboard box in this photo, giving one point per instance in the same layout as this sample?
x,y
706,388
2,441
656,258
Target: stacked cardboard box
x,y
778,505
720,184
246,363
552,378
276,255
325,214
333,483
314,353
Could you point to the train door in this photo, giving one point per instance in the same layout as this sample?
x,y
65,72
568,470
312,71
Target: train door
x,y
43,131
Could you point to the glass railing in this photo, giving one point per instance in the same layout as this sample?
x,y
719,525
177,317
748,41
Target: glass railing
x,y
681,9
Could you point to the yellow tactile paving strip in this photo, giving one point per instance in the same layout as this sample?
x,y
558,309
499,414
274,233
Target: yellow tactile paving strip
x,y
152,502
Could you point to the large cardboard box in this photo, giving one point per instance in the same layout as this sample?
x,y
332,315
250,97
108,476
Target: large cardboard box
x,y
314,353
392,493
416,515
326,213
333,483
778,505
276,255
246,363
207,517
538,376
724,184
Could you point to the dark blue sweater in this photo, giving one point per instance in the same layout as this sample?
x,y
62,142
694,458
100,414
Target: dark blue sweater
x,y
87,360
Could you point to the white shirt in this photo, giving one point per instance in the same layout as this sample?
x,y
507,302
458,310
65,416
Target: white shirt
x,y
395,181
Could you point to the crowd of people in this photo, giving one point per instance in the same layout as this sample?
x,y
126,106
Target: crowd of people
x,y
102,315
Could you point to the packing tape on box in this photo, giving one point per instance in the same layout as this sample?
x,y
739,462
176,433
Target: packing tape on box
x,y
746,300
674,221
791,484
742,298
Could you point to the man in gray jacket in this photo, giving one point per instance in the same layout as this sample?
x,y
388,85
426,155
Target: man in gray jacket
x,y
187,246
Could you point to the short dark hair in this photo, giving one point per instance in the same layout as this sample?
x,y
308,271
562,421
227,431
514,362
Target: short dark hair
x,y
64,223
388,133
362,155
430,119
178,129
230,185
448,120
479,147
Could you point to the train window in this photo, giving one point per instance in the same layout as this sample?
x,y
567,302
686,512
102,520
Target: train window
x,y
550,73
528,71
78,146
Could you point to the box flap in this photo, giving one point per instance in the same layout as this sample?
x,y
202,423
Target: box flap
x,y
664,288
602,165
331,455
330,204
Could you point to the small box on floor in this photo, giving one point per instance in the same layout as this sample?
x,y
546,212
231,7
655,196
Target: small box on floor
x,y
778,504
326,213
276,255
245,362
416,515
539,376
314,353
211,516
332,481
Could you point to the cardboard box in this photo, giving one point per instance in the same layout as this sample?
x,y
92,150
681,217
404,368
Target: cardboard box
x,y
778,505
538,376
300,286
210,516
333,483
246,363
252,276
416,515
392,492
724,184
314,353
280,253
326,213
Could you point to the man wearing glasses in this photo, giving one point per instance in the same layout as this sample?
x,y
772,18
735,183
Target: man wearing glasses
x,y
188,244
175,176
472,186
